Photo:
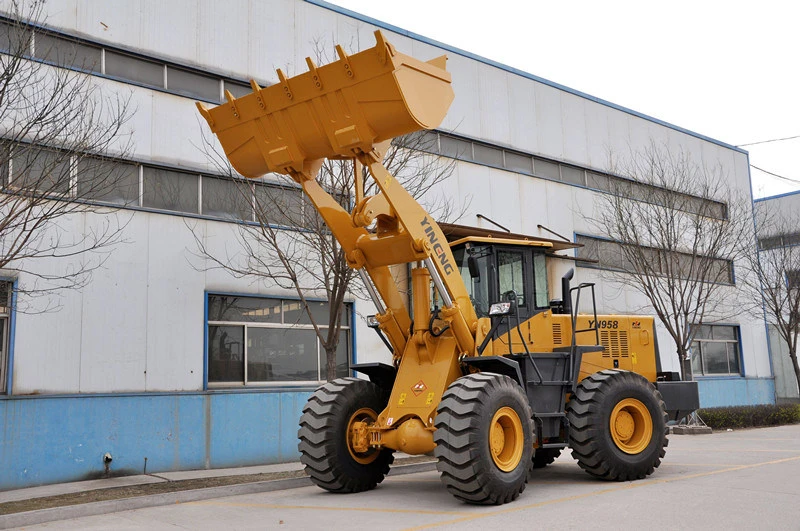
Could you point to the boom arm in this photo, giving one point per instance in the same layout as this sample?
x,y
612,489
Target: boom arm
x,y
350,109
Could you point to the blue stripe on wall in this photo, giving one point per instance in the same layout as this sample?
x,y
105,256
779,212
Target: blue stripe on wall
x,y
721,392
56,439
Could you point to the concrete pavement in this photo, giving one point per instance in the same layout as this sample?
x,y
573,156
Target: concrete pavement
x,y
740,479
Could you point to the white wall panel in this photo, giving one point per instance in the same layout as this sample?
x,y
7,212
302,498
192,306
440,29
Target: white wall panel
x,y
494,104
174,308
506,205
114,313
271,38
523,123
549,118
223,37
574,119
48,327
313,27
177,132
597,137
533,204
475,189
463,117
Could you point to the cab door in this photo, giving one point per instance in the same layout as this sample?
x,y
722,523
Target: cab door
x,y
514,273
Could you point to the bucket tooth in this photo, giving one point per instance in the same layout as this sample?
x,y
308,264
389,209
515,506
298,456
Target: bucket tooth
x,y
314,73
345,60
284,83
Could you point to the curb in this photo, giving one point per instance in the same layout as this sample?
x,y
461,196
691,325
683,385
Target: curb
x,y
157,500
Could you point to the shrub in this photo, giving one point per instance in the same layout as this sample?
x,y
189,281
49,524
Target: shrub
x,y
750,416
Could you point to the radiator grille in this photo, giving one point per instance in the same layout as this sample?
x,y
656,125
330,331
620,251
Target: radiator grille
x,y
615,343
557,340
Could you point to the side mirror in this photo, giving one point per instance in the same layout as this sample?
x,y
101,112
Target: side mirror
x,y
472,264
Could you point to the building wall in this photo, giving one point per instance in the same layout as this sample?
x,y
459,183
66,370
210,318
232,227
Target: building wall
x,y
784,210
138,327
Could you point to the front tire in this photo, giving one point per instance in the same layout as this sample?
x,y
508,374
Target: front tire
x,y
325,450
484,439
618,426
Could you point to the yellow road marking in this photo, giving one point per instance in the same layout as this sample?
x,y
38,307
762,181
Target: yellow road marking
x,y
599,492
718,465
323,508
735,451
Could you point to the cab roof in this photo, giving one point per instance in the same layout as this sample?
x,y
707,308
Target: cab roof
x,y
506,241
458,234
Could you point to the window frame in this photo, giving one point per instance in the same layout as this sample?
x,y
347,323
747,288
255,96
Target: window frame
x,y
348,339
697,351
7,318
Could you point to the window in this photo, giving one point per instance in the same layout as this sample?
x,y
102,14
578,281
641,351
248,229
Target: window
x,y
5,315
488,155
238,89
170,190
519,163
573,175
193,85
44,171
510,274
477,287
546,169
134,69
609,255
279,206
455,148
108,181
258,341
64,52
228,199
715,351
15,38
540,280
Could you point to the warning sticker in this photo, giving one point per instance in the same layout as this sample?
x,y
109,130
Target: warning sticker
x,y
419,387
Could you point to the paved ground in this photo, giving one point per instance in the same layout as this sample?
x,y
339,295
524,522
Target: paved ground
x,y
728,480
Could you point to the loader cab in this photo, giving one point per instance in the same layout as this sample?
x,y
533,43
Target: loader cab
x,y
494,269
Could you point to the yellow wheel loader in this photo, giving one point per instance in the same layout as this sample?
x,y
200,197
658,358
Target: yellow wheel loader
x,y
487,372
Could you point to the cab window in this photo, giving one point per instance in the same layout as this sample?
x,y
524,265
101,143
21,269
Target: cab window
x,y
540,280
478,287
510,274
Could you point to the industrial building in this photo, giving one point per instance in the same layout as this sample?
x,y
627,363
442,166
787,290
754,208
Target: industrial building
x,y
156,360
779,228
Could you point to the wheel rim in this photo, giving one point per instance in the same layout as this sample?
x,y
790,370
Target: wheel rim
x,y
506,439
631,426
370,455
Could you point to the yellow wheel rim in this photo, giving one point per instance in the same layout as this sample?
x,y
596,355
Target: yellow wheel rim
x,y
364,458
631,426
506,439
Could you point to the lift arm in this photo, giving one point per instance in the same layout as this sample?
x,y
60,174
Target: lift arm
x,y
351,109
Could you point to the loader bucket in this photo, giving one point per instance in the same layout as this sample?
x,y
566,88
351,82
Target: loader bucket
x,y
331,111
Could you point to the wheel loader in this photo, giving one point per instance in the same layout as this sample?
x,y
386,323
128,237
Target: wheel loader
x,y
488,373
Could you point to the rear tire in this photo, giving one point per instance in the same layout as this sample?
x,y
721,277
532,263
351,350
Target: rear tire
x,y
618,425
545,456
484,439
324,447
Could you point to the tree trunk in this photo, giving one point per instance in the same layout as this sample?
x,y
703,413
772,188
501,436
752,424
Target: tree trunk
x,y
793,357
686,366
330,357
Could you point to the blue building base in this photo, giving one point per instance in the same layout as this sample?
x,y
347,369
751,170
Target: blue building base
x,y
51,439
735,391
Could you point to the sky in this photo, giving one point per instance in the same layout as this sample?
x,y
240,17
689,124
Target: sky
x,y
727,70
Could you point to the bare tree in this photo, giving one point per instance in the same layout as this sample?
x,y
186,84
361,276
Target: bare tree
x,y
308,259
773,280
57,129
676,228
